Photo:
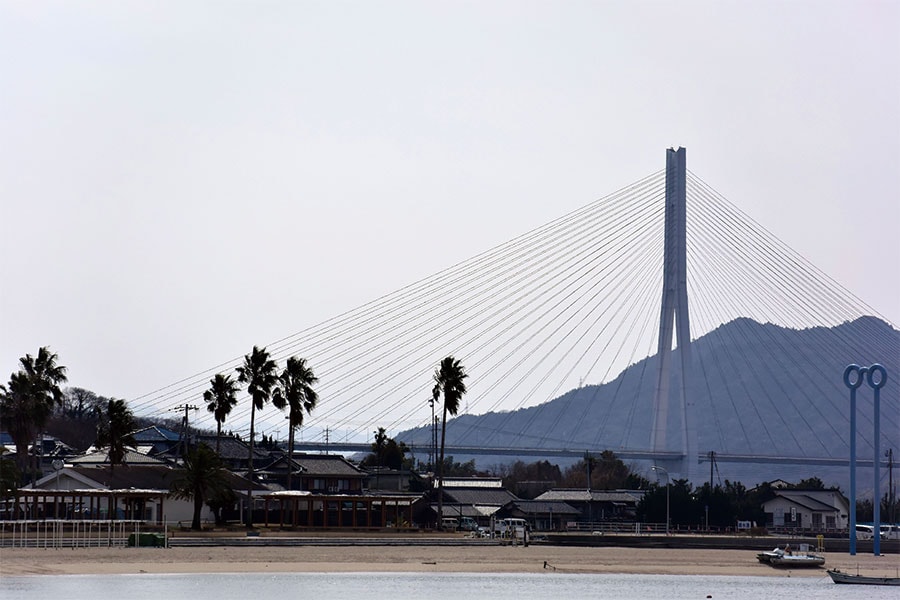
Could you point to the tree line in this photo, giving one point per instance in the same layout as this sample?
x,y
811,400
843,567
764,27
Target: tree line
x,y
33,395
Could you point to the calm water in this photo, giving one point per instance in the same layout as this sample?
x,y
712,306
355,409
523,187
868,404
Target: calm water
x,y
452,586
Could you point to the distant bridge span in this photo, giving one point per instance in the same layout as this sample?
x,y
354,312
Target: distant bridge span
x,y
625,455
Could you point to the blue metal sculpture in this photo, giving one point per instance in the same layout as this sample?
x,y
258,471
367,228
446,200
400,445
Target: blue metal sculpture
x,y
876,377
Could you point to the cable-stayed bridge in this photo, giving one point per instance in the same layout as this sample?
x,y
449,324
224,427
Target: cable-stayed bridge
x,y
575,453
585,309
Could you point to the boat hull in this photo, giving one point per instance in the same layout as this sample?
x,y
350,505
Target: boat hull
x,y
846,578
766,557
797,562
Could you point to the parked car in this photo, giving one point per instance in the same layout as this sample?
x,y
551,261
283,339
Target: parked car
x,y
865,532
506,528
468,524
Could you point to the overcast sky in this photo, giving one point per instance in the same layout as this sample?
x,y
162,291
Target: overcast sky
x,y
183,180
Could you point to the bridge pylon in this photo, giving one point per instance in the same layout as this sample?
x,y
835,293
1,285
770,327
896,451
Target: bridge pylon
x,y
675,320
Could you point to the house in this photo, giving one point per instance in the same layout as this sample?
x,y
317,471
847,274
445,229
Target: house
x,y
169,446
7,443
541,515
319,473
597,505
478,498
328,491
51,448
817,510
336,510
101,457
137,491
397,480
329,473
96,491
156,440
235,453
47,447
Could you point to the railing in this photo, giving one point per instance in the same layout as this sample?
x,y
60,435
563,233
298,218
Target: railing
x,y
58,533
812,530
604,527
632,528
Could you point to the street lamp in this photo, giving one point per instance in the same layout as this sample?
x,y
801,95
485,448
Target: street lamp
x,y
377,460
657,469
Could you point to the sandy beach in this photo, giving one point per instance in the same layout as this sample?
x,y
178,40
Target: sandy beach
x,y
460,559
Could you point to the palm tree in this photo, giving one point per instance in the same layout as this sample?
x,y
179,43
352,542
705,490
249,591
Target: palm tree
x,y
294,391
220,398
259,373
114,430
449,381
202,478
32,396
16,416
9,475
45,376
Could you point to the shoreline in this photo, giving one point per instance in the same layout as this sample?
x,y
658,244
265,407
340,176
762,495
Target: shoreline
x,y
412,559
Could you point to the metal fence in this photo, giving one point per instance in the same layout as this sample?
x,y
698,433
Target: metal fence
x,y
604,527
59,533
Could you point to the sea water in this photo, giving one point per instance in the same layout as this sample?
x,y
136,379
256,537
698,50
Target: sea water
x,y
446,586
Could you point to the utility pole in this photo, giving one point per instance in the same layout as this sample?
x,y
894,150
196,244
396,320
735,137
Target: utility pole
x,y
587,463
658,468
431,450
184,427
890,455
434,441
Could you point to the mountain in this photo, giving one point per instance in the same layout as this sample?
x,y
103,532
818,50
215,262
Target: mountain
x,y
759,389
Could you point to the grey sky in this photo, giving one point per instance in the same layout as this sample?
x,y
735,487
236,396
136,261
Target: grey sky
x,y
182,180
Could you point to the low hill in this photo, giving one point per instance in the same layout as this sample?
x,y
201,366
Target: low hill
x,y
759,389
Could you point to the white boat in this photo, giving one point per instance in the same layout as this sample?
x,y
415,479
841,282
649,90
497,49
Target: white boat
x,y
795,561
840,577
767,556
786,559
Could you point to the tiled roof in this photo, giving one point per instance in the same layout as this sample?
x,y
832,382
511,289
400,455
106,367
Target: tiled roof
x,y
473,482
146,477
231,448
537,507
465,510
155,434
483,496
329,465
806,500
615,496
280,465
564,495
101,457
